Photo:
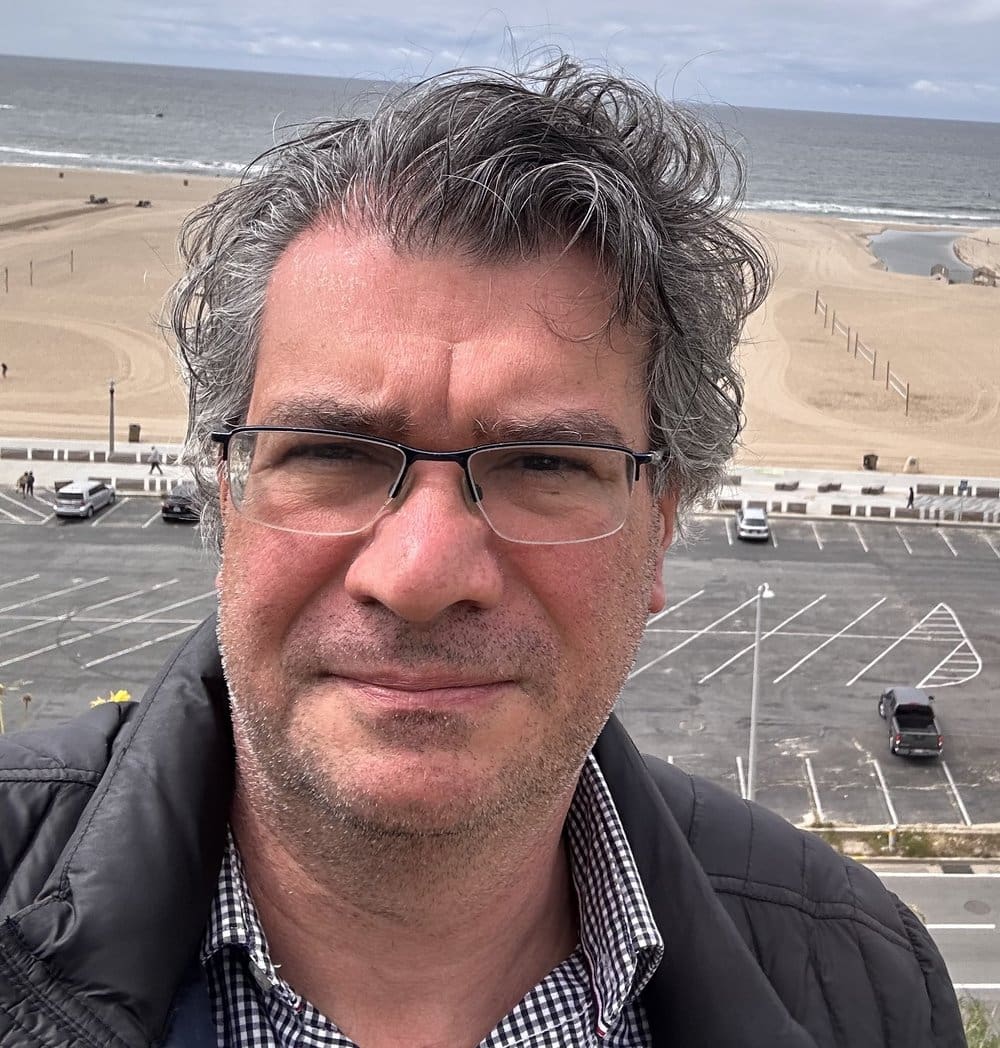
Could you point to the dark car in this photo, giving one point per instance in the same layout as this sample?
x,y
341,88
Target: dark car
x,y
914,731
180,503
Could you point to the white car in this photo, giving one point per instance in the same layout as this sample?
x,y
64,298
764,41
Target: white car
x,y
752,524
83,498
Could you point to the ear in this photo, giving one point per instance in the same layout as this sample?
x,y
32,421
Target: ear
x,y
666,507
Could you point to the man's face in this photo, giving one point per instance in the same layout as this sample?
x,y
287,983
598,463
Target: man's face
x,y
426,675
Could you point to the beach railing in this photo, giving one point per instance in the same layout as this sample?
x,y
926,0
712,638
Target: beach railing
x,y
893,381
861,350
897,385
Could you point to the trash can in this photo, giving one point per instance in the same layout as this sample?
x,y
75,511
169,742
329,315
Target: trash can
x,y
133,432
870,461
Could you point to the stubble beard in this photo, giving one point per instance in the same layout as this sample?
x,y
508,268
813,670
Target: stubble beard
x,y
344,835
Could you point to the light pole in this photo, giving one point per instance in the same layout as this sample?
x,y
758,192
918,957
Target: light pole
x,y
764,592
111,416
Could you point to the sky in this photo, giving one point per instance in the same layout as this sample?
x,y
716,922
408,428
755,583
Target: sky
x,y
930,58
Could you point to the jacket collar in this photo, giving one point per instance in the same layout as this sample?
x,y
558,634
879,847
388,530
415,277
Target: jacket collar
x,y
709,989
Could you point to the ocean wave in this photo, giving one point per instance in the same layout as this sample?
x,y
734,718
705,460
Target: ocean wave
x,y
24,156
860,212
7,105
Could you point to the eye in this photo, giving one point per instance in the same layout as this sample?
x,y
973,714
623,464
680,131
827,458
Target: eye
x,y
550,462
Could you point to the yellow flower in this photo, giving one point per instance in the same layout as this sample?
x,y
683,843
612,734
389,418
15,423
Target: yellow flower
x,y
115,696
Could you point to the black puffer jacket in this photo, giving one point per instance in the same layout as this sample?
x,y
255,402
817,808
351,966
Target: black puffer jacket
x,y
111,835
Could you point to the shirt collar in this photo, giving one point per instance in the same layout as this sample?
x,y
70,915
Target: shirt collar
x,y
618,934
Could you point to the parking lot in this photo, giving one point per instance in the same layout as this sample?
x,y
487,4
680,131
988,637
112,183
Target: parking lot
x,y
87,607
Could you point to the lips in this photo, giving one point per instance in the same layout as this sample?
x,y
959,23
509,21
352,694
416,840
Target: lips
x,y
423,691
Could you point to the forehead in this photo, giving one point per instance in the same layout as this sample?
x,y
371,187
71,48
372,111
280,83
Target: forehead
x,y
438,341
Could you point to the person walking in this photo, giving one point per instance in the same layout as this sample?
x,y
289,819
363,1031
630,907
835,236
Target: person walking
x,y
155,458
3,370
22,484
29,483
909,499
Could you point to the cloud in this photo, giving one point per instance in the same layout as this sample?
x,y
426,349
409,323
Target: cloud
x,y
772,53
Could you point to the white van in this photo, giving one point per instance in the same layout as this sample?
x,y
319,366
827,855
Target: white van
x,y
83,498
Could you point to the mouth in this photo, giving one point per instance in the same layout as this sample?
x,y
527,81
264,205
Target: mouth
x,y
421,691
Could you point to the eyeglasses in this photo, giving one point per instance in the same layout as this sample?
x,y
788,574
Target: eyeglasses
x,y
324,482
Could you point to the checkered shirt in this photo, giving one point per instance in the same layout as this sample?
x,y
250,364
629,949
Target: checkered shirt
x,y
590,999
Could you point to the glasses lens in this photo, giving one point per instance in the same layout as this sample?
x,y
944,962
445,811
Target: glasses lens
x,y
552,493
315,484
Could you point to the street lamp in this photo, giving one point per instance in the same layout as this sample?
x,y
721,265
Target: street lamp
x,y
764,592
111,416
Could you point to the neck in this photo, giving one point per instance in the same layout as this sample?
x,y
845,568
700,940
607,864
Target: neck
x,y
408,935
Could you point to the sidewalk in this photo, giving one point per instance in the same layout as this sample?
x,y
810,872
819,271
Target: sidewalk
x,y
808,492
55,462
863,493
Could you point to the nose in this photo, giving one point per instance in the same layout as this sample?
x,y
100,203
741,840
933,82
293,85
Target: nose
x,y
432,551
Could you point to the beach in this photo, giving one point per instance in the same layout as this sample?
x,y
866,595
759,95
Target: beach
x,y
85,285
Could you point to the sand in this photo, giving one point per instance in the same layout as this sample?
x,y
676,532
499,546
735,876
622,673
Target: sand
x,y
810,402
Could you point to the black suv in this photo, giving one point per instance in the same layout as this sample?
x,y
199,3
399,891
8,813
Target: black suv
x,y
179,503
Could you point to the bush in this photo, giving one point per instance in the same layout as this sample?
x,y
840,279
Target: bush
x,y
980,1020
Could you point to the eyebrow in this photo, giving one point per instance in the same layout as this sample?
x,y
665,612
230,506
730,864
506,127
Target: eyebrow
x,y
553,425
394,422
325,413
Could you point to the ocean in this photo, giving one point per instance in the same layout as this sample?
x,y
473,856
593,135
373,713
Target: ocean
x,y
158,118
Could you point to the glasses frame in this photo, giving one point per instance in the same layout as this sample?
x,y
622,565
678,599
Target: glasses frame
x,y
462,458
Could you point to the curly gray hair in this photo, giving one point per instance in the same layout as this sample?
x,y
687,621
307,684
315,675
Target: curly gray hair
x,y
500,166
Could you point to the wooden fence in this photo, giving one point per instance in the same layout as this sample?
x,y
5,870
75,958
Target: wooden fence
x,y
66,262
893,382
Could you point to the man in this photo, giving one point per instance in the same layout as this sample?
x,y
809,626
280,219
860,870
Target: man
x,y
155,458
455,369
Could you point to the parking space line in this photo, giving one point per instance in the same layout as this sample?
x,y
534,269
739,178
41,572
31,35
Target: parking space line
x,y
137,647
114,626
666,611
961,927
902,538
861,538
81,616
947,542
899,640
729,531
986,539
774,541
694,636
954,626
885,793
769,633
954,790
17,582
819,542
741,777
117,504
54,593
17,520
829,640
22,504
155,516
815,791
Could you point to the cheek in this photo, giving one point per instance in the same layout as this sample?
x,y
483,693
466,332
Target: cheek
x,y
590,592
267,577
